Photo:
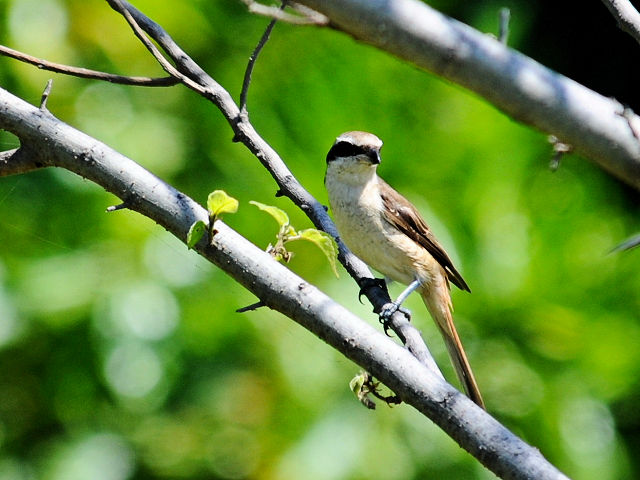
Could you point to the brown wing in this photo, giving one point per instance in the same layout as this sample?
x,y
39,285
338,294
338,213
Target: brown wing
x,y
400,213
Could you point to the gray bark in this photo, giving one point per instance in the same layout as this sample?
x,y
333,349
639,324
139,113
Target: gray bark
x,y
597,127
47,141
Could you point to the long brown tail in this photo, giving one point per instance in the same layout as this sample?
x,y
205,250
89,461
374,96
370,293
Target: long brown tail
x,y
438,303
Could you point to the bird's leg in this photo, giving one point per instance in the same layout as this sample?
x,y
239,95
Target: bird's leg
x,y
390,308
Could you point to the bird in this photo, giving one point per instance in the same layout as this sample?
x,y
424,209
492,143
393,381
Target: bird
x,y
382,228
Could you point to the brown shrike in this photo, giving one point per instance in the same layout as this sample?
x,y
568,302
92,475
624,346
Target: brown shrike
x,y
386,231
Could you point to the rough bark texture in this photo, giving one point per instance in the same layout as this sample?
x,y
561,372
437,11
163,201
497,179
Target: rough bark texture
x,y
50,142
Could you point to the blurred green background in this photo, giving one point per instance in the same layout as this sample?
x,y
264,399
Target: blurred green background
x,y
121,355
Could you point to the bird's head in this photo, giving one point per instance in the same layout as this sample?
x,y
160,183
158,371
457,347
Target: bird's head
x,y
355,154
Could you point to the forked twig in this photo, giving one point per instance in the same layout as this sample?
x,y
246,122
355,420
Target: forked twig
x,y
164,63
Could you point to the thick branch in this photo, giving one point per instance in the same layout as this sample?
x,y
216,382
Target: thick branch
x,y
626,15
198,80
55,143
527,91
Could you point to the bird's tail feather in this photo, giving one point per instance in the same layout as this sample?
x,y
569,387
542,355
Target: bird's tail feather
x,y
438,303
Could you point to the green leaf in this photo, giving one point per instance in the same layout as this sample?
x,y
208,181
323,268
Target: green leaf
x,y
325,242
357,383
360,386
195,233
219,202
280,215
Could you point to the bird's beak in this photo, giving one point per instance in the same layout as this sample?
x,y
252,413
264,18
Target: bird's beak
x,y
374,157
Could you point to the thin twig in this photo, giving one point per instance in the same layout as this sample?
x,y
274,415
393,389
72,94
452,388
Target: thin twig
x,y
559,149
252,307
315,17
307,16
628,244
45,95
186,69
87,73
120,206
246,81
388,399
503,25
164,63
626,15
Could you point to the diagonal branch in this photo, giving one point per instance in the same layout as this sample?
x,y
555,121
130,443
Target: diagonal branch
x,y
191,75
87,73
54,143
626,15
244,132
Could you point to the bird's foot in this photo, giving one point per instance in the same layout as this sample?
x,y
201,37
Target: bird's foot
x,y
367,283
387,311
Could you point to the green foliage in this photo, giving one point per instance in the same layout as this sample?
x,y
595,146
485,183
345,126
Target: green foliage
x,y
196,232
359,386
278,214
324,242
287,234
121,355
218,202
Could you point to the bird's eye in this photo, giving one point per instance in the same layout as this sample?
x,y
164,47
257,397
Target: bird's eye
x,y
344,149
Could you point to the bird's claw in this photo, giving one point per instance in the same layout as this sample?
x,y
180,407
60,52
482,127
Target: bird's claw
x,y
387,311
367,283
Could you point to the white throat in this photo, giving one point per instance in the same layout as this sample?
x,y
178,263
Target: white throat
x,y
348,171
